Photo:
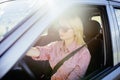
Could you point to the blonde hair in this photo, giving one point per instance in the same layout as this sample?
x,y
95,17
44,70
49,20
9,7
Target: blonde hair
x,y
76,24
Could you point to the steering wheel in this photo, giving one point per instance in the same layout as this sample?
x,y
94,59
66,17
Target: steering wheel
x,y
27,70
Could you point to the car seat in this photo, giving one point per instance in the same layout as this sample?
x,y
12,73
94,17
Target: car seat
x,y
91,29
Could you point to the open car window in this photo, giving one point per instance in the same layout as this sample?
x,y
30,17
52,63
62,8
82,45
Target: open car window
x,y
12,13
96,47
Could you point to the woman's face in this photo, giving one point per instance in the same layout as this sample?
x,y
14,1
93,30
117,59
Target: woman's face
x,y
66,33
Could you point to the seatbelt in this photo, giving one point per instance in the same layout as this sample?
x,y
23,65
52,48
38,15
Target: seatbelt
x,y
60,63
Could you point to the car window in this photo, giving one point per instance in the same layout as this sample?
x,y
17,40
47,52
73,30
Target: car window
x,y
11,13
89,23
117,12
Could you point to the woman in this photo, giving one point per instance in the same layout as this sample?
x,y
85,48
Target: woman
x,y
71,34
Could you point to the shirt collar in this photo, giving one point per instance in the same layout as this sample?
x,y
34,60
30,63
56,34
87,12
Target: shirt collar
x,y
70,47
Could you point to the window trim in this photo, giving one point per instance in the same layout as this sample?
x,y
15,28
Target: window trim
x,y
112,22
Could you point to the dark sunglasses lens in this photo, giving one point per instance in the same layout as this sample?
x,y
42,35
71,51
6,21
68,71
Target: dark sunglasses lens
x,y
64,29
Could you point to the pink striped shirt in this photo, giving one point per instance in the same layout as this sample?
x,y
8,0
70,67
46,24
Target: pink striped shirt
x,y
72,69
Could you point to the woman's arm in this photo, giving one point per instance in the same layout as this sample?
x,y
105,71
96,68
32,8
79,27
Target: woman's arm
x,y
41,52
33,52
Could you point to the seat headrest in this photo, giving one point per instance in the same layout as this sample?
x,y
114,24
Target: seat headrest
x,y
91,29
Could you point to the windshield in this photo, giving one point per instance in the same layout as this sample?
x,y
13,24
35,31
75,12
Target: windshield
x,y
11,13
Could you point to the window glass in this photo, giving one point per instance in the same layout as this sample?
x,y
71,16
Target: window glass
x,y
117,12
11,13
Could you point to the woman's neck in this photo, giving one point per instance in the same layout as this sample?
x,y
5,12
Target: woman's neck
x,y
68,42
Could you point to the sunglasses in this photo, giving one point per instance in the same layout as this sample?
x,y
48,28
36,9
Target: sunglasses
x,y
64,29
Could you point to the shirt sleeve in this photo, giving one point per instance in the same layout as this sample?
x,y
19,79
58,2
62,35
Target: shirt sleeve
x,y
45,51
83,62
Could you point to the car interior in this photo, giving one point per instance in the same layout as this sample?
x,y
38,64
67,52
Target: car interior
x,y
38,70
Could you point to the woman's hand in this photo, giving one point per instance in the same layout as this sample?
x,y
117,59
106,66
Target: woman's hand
x,y
33,52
